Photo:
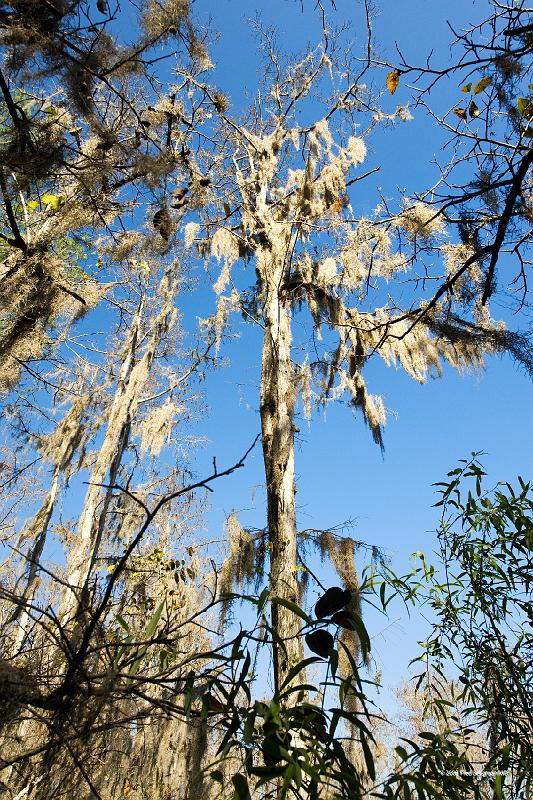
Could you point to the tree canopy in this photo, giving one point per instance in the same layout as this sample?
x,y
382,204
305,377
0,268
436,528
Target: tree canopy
x,y
147,218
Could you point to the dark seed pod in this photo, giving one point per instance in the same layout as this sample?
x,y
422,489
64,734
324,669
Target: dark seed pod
x,y
320,642
344,620
163,223
335,599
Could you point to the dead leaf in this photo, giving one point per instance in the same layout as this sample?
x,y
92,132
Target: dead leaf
x,y
482,85
393,79
473,110
525,107
460,112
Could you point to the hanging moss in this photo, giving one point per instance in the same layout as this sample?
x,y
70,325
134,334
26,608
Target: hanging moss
x,y
239,567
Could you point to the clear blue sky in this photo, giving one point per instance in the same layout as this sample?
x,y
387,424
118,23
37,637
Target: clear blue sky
x,y
341,472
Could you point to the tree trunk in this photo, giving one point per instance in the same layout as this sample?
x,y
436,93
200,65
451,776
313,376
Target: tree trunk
x,y
38,531
277,410
85,551
133,377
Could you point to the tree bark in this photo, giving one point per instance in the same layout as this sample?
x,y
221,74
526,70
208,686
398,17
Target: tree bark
x,y
133,377
39,530
277,410
84,553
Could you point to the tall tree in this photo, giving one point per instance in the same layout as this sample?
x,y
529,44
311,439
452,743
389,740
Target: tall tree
x,y
289,211
97,608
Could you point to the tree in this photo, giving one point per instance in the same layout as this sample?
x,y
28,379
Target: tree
x,y
99,612
288,211
98,645
484,189
84,132
479,594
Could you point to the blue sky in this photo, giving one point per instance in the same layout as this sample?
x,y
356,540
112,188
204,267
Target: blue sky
x,y
341,473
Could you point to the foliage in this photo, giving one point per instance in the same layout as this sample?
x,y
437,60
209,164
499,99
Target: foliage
x,y
292,744
485,190
479,593
114,181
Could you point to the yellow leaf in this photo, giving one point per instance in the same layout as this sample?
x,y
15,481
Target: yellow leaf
x,y
393,79
460,112
482,85
53,200
473,109
466,88
525,107
126,787
33,204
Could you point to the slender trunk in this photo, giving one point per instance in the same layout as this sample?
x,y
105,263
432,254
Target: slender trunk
x,y
277,411
38,531
133,377
85,551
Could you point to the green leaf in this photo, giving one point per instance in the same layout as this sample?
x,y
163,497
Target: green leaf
x,y
242,792
268,772
148,633
482,85
122,622
402,752
249,726
382,590
262,599
369,761
334,661
280,601
154,622
361,631
55,201
217,776
306,662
